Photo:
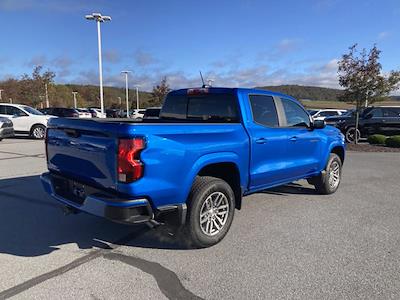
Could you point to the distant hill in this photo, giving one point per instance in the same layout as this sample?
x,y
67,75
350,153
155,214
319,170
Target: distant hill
x,y
313,93
306,92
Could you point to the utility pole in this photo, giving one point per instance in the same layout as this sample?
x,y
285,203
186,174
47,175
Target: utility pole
x,y
47,96
126,91
75,101
137,97
99,19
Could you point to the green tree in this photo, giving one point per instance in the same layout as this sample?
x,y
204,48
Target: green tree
x,y
360,74
160,91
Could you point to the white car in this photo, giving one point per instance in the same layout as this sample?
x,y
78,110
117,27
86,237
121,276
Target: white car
x,y
321,114
137,113
84,113
96,112
26,119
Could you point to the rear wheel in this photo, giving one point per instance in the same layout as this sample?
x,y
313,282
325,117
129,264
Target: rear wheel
x,y
38,132
352,134
211,207
329,179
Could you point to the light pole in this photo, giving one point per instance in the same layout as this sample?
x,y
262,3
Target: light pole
x,y
137,97
0,94
75,102
126,91
99,19
47,96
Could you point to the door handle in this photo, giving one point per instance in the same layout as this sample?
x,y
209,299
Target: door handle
x,y
293,138
261,141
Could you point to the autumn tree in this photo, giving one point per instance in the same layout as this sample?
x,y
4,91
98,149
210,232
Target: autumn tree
x,y
160,91
360,74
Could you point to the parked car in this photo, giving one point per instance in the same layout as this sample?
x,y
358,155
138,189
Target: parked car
x,y
61,112
383,120
321,114
152,113
6,128
215,146
112,113
84,113
26,119
96,112
138,113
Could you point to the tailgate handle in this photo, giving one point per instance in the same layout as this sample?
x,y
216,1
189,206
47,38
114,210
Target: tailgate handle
x,y
72,132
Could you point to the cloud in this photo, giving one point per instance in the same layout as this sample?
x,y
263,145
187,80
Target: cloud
x,y
37,60
144,59
112,56
48,5
383,35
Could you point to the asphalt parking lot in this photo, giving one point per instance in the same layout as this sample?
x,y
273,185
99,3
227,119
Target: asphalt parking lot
x,y
285,243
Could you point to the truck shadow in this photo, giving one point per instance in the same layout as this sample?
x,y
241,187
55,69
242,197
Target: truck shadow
x,y
32,224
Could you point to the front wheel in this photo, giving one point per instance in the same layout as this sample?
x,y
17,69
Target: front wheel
x,y
211,207
38,132
329,179
352,134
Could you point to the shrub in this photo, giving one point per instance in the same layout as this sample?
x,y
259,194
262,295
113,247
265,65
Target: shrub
x,y
377,139
393,141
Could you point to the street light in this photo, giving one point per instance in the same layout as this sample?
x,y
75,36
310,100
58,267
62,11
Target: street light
x,y
126,91
75,102
137,97
99,19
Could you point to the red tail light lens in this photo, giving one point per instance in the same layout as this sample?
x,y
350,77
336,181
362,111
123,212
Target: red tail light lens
x,y
130,168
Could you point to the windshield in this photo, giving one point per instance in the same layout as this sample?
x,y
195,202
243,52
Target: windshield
x,y
32,111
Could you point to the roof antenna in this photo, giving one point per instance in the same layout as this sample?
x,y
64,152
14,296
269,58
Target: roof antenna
x,y
202,80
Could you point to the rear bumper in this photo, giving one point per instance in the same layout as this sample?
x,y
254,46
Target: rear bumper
x,y
6,132
132,211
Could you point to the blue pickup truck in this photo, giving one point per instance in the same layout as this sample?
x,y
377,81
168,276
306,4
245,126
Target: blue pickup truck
x,y
193,165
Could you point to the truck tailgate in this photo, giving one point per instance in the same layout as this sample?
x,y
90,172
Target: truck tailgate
x,y
83,150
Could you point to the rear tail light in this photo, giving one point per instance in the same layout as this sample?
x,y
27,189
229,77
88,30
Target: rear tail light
x,y
197,92
130,167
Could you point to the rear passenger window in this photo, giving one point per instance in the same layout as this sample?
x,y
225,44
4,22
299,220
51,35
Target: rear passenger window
x,y
296,116
264,110
391,112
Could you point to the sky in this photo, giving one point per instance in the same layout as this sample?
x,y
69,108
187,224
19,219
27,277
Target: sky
x,y
243,43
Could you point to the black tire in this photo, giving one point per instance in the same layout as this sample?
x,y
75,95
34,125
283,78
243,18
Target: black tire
x,y
38,132
325,183
206,188
350,134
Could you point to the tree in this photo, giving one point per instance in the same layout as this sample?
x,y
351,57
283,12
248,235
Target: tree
x,y
160,91
360,74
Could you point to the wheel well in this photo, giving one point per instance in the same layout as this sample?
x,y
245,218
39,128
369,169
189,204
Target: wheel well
x,y
229,173
339,151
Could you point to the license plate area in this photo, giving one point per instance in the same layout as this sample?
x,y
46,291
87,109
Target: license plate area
x,y
69,189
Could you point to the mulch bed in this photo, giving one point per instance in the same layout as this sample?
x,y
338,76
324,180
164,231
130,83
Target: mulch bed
x,y
364,147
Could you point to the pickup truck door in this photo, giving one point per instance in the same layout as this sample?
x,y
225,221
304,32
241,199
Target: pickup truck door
x,y
267,143
303,144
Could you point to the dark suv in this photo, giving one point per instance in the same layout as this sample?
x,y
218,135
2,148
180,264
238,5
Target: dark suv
x,y
383,120
61,112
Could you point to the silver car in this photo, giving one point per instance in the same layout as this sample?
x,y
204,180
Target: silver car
x,y
6,128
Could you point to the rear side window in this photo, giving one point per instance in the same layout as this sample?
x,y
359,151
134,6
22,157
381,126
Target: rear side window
x,y
296,116
3,110
264,110
391,112
202,108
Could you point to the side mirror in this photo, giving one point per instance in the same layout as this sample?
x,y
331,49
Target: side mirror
x,y
318,124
